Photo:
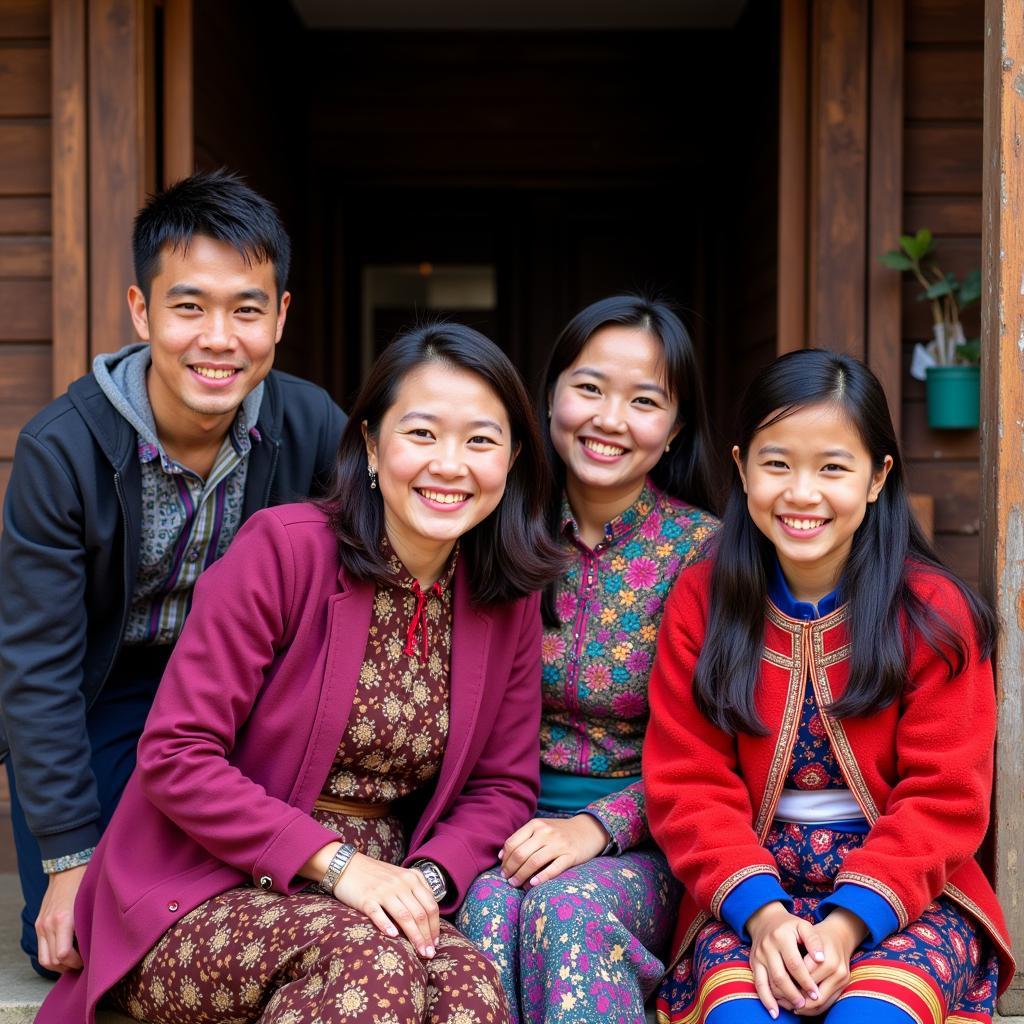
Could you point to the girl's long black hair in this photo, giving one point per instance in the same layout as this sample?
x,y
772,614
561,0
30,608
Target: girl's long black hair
x,y
687,471
887,546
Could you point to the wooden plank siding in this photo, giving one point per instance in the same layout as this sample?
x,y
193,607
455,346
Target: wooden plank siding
x,y
1002,462
25,221
838,190
122,157
942,183
25,224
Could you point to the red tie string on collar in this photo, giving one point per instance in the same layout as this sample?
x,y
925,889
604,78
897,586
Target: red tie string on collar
x,y
419,619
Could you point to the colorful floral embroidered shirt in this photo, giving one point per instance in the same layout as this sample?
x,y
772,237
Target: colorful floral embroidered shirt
x,y
596,666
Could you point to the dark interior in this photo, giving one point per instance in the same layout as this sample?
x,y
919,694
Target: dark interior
x,y
562,166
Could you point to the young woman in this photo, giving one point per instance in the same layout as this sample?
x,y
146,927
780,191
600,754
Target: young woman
x,y
578,911
819,761
346,732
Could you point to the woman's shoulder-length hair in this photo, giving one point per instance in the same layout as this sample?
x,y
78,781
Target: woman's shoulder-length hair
x,y
507,555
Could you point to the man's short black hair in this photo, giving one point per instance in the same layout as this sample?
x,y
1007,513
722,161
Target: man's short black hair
x,y
212,204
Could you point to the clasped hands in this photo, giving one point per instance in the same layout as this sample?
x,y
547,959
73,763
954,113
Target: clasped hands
x,y
799,966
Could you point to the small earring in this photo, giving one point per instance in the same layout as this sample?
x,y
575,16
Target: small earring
x,y
668,446
373,477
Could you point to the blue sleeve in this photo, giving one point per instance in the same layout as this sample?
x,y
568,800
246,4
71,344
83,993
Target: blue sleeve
x,y
872,909
750,896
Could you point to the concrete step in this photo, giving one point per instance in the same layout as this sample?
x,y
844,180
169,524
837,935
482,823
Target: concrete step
x,y
22,990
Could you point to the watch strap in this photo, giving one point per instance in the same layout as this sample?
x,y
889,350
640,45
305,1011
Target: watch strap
x,y
341,859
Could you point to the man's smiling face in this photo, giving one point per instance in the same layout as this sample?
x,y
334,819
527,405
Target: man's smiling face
x,y
212,321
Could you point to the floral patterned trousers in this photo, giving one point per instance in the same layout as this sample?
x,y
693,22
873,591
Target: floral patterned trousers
x,y
582,947
248,956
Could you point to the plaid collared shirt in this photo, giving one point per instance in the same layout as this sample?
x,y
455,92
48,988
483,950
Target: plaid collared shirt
x,y
187,524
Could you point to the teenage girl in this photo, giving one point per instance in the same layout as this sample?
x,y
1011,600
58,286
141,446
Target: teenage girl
x,y
818,763
578,912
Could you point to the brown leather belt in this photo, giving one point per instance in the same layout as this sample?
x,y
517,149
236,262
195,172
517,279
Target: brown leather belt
x,y
352,808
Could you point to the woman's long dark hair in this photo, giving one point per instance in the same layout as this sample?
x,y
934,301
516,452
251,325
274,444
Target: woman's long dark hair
x,y
509,554
687,471
886,548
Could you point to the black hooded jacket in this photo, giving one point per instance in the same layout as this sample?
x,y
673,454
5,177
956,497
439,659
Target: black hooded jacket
x,y
68,562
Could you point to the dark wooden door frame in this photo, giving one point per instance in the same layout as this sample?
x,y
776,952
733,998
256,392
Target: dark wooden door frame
x,y
1002,440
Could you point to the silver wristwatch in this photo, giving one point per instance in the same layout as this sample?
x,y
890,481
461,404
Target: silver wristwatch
x,y
434,876
339,862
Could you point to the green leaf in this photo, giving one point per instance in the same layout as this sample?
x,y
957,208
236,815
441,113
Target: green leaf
x,y
970,289
896,261
970,352
917,246
946,286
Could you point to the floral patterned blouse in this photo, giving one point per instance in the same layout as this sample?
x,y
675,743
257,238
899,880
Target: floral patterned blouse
x,y
595,667
398,726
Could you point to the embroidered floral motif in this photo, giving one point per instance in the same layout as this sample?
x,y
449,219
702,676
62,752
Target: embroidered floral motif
x,y
595,667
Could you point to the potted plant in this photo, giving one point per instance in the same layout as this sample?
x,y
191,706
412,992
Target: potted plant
x,y
948,364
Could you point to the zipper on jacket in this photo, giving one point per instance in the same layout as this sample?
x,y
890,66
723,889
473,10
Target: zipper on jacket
x,y
126,604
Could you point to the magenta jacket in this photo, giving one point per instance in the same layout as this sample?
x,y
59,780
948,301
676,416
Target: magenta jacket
x,y
244,730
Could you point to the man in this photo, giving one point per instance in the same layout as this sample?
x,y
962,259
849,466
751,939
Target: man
x,y
121,492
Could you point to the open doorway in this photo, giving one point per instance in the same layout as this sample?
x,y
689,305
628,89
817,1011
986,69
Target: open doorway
x,y
561,156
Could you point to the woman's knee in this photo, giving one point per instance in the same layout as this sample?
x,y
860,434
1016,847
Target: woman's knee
x,y
491,905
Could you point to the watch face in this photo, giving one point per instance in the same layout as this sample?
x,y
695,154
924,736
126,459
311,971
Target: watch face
x,y
432,873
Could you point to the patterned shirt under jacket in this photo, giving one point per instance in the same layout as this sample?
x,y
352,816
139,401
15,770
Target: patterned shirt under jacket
x,y
596,666
398,726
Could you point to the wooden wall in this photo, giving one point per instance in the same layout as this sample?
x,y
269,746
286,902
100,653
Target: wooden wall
x,y
942,172
25,261
25,218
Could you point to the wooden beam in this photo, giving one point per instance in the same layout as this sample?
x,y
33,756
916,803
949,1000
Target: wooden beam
x,y
837,235
120,157
791,324
885,200
1002,440
70,291
179,132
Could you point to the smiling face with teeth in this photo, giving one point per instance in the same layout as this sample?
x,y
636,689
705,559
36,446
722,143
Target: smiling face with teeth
x,y
809,480
611,417
442,457
212,321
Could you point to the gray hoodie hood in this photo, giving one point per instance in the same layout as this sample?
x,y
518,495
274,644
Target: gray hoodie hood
x,y
122,378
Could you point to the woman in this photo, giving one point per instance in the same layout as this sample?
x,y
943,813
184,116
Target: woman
x,y
582,905
353,704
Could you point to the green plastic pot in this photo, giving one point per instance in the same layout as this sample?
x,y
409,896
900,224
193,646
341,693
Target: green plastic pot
x,y
954,397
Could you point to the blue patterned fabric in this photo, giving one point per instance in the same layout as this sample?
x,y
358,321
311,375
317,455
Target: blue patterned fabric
x,y
579,947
